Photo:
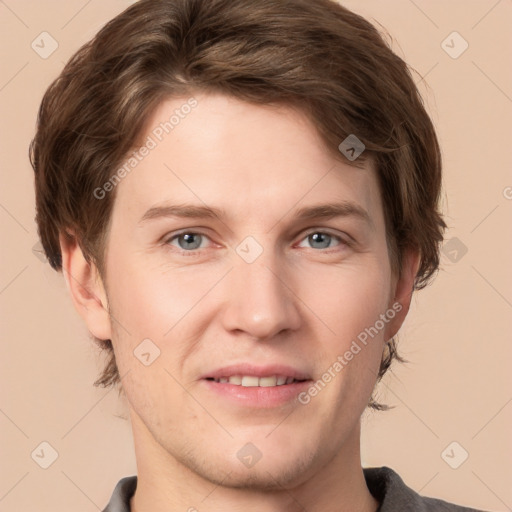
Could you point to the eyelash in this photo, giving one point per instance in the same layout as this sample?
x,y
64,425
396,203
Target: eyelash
x,y
342,242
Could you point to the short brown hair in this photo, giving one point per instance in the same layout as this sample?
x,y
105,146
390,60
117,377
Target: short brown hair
x,y
316,56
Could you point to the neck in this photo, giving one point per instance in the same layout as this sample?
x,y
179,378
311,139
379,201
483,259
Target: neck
x,y
164,484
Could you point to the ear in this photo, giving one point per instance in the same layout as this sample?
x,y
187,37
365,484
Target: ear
x,y
85,287
402,291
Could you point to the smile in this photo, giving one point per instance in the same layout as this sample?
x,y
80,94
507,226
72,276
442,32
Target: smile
x,y
254,381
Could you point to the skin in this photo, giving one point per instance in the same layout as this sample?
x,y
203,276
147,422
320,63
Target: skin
x,y
300,303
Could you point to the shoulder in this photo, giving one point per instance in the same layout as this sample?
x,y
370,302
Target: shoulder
x,y
390,490
120,500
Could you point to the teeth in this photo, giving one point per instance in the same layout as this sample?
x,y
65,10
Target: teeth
x,y
235,379
266,382
249,381
253,381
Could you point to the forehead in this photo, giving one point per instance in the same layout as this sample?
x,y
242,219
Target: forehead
x,y
250,160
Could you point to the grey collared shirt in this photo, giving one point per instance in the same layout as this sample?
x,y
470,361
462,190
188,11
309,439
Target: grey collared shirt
x,y
385,485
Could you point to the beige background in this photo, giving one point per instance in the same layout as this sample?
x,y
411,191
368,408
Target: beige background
x,y
457,386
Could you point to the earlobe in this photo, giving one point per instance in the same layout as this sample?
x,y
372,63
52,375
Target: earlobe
x,y
85,287
403,291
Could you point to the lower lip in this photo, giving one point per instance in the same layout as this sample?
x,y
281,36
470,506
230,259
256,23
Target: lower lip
x,y
256,396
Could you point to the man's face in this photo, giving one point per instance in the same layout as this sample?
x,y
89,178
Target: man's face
x,y
258,288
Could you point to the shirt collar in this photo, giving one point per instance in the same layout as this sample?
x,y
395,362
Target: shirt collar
x,y
385,485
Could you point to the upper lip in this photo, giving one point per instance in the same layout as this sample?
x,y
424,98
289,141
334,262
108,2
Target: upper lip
x,y
257,371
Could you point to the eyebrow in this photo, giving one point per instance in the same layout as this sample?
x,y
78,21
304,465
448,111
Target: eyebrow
x,y
320,211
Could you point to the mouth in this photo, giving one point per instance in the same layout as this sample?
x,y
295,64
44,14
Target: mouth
x,y
247,385
251,381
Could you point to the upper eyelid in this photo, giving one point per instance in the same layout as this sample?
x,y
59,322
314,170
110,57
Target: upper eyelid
x,y
327,231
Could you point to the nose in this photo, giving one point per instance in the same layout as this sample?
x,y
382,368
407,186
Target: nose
x,y
260,298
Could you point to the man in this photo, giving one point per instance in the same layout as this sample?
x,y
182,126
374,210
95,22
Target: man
x,y
242,196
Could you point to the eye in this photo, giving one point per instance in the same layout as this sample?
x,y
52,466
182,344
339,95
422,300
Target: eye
x,y
187,241
322,240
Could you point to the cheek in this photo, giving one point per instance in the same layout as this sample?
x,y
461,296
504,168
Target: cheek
x,y
152,300
169,307
152,311
348,298
349,301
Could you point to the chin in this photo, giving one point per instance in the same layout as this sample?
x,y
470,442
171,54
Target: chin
x,y
281,472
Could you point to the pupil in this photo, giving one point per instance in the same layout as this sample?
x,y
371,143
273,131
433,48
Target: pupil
x,y
321,238
189,241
